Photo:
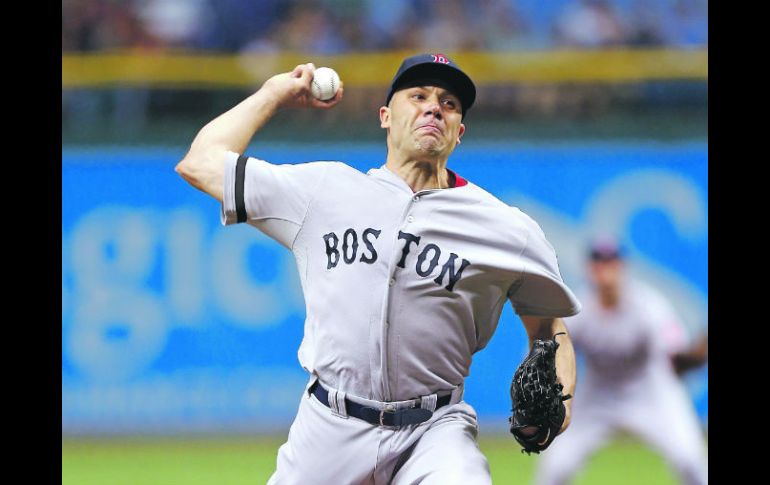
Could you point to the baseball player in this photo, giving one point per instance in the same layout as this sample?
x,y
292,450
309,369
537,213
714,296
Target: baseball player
x,y
405,270
633,344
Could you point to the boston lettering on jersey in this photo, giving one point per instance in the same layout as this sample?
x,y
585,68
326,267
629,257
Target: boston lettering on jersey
x,y
426,264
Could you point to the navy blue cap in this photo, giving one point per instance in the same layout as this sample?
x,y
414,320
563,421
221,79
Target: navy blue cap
x,y
435,67
605,248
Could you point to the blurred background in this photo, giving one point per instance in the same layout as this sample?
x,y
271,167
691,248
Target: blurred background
x,y
179,337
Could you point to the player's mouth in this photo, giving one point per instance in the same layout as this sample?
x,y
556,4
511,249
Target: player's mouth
x,y
430,129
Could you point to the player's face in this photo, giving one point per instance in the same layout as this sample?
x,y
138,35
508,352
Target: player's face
x,y
423,122
606,274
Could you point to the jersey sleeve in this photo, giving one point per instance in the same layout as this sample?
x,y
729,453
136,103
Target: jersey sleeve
x,y
540,290
271,197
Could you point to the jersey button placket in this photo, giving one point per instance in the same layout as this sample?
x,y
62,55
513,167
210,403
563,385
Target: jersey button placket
x,y
385,348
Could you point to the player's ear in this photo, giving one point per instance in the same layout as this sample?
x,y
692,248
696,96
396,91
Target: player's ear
x,y
460,133
384,117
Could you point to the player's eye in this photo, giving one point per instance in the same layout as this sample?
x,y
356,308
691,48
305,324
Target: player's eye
x,y
418,96
449,103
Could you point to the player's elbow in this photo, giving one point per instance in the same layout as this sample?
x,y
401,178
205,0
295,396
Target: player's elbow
x,y
198,164
204,171
185,168
189,171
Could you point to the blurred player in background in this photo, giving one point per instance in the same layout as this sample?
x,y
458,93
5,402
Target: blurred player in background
x,y
634,346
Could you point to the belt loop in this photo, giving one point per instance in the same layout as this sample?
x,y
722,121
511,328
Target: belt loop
x,y
337,403
457,393
429,402
342,410
333,400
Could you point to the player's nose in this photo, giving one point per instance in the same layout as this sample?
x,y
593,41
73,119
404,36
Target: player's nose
x,y
433,109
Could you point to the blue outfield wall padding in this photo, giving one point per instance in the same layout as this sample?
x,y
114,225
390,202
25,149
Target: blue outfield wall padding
x,y
171,322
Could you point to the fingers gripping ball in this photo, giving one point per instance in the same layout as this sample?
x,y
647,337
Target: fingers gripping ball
x,y
537,398
325,83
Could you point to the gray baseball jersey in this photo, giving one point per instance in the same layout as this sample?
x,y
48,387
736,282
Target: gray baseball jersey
x,y
401,289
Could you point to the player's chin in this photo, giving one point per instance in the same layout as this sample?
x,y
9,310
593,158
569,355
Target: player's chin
x,y
431,145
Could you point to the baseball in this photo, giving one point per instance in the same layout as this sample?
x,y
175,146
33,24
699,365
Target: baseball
x,y
325,83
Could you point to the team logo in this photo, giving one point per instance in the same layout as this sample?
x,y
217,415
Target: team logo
x,y
440,58
426,264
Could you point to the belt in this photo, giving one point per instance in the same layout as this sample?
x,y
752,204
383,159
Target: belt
x,y
384,417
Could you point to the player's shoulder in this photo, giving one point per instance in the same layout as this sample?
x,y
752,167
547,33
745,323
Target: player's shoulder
x,y
645,294
342,167
312,164
515,215
641,288
484,197
335,167
509,215
491,201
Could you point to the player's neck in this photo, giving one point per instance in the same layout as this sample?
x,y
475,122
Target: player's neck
x,y
420,175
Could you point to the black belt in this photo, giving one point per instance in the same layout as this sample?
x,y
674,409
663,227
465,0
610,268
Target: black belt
x,y
383,417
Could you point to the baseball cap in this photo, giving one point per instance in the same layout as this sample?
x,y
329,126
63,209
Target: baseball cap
x,y
605,248
435,67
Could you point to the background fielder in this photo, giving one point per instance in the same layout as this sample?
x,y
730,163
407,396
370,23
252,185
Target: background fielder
x,y
634,344
405,270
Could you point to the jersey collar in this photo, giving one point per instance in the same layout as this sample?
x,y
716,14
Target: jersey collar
x,y
385,174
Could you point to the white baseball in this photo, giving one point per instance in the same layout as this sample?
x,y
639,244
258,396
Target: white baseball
x,y
325,83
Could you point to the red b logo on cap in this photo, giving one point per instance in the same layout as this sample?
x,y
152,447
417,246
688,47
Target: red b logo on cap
x,y
440,58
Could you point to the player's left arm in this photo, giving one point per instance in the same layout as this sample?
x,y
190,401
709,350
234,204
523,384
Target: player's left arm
x,y
545,328
669,333
692,357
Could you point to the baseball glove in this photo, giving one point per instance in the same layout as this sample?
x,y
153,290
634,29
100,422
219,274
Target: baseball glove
x,y
537,398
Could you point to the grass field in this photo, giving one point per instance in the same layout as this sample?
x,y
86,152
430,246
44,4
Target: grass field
x,y
250,460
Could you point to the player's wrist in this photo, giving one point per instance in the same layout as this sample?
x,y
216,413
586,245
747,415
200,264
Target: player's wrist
x,y
266,100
